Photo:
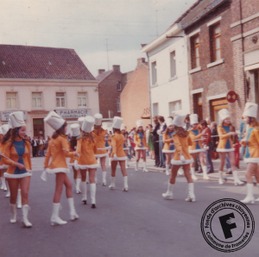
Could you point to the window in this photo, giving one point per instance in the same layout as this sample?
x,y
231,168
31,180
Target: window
x,y
119,87
172,64
82,99
118,105
155,109
195,51
11,100
175,106
154,73
60,99
215,45
36,100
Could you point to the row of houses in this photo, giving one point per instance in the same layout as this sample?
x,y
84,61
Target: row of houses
x,y
208,59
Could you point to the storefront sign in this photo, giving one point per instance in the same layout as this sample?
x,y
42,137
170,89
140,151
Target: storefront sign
x,y
71,113
5,115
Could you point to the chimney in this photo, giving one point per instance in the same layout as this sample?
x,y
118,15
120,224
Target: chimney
x,y
140,61
100,71
116,68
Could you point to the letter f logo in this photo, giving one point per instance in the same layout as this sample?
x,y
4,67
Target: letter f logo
x,y
227,224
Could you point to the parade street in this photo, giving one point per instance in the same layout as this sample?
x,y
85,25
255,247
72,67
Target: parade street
x,y
137,223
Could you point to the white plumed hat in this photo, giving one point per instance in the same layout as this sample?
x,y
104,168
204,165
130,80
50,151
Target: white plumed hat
x,y
17,119
116,123
179,120
88,123
250,110
123,126
169,121
54,120
98,119
139,123
223,114
194,118
4,129
75,130
80,121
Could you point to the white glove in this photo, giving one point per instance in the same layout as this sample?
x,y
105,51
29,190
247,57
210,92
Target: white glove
x,y
76,165
43,175
182,158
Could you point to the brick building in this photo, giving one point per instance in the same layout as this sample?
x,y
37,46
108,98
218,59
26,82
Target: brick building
x,y
135,101
110,85
39,79
207,28
244,29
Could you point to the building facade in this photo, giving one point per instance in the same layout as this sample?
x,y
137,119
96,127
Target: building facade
x,y
37,80
135,101
244,29
110,86
168,73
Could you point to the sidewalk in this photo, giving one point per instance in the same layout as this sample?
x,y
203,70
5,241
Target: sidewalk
x,y
213,176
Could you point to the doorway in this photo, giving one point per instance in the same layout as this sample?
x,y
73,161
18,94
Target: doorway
x,y
38,127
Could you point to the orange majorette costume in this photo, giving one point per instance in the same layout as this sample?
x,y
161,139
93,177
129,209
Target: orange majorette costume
x,y
225,144
251,157
117,152
55,162
182,157
3,130
86,148
18,151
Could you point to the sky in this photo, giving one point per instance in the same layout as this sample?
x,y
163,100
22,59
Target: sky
x,y
102,32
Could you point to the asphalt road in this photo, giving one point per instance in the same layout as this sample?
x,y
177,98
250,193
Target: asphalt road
x,y
138,223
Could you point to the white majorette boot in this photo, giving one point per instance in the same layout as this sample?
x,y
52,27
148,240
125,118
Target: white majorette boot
x,y
25,212
191,196
221,180
204,171
168,195
73,214
145,167
78,182
237,181
3,184
167,169
19,199
125,182
93,195
250,195
136,166
104,175
112,185
13,212
55,219
84,192
194,178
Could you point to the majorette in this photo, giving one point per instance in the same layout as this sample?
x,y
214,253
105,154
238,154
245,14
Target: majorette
x,y
75,134
86,149
141,145
251,142
55,163
168,148
117,154
99,135
196,149
182,157
225,145
17,155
